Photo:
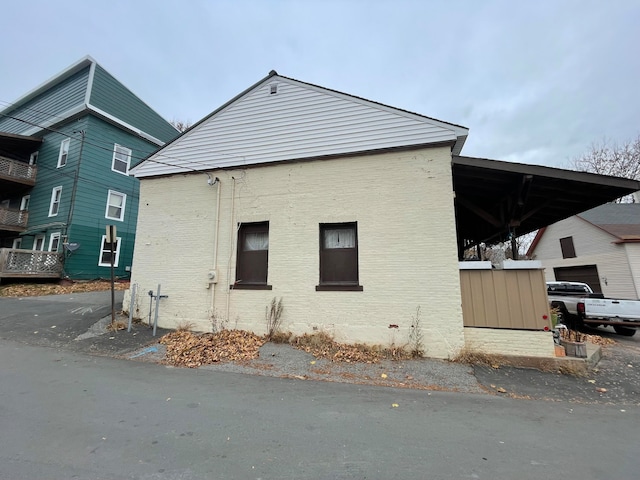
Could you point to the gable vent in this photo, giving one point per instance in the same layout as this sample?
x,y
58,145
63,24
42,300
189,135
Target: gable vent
x,y
273,88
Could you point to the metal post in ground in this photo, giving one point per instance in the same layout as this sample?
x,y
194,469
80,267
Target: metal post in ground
x,y
132,302
155,320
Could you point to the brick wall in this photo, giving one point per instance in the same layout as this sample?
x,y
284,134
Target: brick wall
x,y
509,342
403,206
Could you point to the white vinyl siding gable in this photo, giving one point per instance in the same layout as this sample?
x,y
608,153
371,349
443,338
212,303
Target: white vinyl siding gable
x,y
116,203
54,206
633,256
121,159
64,152
300,121
587,239
593,246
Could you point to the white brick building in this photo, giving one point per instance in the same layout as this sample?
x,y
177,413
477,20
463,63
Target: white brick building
x,y
342,207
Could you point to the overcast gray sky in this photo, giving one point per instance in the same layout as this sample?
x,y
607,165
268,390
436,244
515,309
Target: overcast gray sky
x,y
534,81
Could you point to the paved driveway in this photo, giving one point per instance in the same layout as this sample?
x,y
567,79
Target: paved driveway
x,y
58,320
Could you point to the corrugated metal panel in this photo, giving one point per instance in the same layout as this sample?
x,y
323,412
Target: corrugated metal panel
x,y
44,108
299,121
515,299
111,96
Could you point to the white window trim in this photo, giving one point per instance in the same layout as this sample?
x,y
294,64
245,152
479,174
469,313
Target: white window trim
x,y
33,158
53,197
17,243
113,160
64,150
24,203
35,242
117,252
124,204
53,237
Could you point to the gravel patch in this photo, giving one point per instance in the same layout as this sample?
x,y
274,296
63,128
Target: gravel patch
x,y
284,361
615,380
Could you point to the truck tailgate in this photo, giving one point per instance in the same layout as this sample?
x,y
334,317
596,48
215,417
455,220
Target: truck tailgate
x,y
612,309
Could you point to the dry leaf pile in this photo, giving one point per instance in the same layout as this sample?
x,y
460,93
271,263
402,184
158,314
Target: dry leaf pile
x,y
321,345
39,289
186,349
598,340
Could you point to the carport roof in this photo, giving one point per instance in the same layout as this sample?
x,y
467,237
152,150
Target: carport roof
x,y
494,198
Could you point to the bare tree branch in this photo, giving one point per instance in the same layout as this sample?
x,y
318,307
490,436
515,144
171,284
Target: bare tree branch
x,y
180,125
606,158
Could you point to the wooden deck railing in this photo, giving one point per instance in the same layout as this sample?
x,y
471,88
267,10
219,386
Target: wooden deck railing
x,y
16,263
17,171
13,219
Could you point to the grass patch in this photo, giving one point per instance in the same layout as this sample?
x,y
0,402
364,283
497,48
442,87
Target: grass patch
x,y
468,356
322,345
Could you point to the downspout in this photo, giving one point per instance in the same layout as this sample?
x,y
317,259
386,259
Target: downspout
x,y
213,281
231,229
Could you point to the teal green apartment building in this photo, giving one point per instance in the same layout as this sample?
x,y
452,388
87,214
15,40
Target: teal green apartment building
x,y
66,149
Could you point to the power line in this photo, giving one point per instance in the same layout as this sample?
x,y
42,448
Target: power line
x,y
111,149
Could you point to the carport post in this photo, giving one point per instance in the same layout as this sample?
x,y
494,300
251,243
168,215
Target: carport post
x,y
514,246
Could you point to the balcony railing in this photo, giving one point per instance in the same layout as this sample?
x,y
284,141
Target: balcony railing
x,y
13,219
16,263
17,171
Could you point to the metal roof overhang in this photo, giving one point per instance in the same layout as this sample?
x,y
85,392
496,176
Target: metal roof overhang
x,y
496,198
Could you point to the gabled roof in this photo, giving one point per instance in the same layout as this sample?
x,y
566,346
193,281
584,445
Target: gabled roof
x,y
79,89
280,119
620,220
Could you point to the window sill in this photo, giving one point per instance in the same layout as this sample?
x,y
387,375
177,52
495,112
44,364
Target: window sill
x,y
339,288
250,286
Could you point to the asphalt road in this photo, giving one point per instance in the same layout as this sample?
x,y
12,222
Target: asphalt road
x,y
53,320
62,320
66,414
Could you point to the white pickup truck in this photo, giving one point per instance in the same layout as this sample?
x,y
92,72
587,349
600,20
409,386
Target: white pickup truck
x,y
579,305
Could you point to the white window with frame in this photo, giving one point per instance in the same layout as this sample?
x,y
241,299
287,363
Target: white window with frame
x,y
105,252
116,202
64,152
24,203
121,159
17,243
24,209
54,242
38,243
54,206
33,158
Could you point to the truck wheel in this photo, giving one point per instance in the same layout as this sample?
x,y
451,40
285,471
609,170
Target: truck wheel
x,y
624,331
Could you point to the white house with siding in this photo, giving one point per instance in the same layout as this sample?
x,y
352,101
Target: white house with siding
x,y
600,247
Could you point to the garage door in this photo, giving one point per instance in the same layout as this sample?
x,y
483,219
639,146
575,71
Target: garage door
x,y
585,273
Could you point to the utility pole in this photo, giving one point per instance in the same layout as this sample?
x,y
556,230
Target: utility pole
x,y
111,240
